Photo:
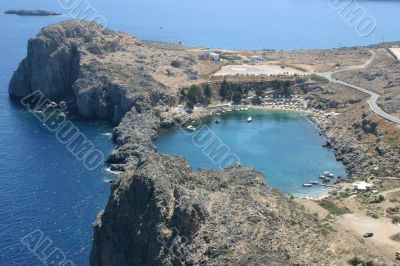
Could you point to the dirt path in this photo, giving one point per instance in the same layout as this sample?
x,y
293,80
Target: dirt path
x,y
382,228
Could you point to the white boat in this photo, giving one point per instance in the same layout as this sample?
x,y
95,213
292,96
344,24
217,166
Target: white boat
x,y
249,119
191,128
307,185
328,174
314,182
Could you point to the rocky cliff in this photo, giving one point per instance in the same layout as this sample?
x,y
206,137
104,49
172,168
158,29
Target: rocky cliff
x,y
160,211
163,213
100,73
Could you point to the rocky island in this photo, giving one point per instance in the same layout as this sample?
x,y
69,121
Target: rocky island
x,y
28,12
162,212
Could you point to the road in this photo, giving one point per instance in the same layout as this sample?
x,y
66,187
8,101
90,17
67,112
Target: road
x,y
374,96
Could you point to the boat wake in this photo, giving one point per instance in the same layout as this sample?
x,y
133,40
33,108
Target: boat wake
x,y
109,135
108,180
113,172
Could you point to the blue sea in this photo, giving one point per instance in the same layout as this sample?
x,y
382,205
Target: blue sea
x,y
43,187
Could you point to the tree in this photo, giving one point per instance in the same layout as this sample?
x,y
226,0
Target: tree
x,y
190,105
237,97
259,92
193,96
207,91
225,91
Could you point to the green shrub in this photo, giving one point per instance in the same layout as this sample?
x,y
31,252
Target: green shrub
x,y
393,210
355,261
396,219
195,94
318,78
332,208
377,199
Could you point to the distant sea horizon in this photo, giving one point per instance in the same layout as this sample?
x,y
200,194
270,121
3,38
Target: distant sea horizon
x,y
260,24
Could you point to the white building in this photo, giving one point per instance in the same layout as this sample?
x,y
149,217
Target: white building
x,y
363,186
257,58
214,56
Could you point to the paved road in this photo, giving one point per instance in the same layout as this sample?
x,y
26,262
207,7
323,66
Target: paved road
x,y
374,96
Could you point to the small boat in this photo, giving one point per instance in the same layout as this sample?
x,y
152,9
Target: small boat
x,y
328,174
191,128
326,180
314,182
307,185
249,119
217,121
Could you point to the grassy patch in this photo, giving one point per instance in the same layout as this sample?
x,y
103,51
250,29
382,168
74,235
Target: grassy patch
x,y
332,207
318,78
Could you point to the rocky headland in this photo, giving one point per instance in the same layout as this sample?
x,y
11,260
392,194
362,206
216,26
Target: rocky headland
x,y
28,12
160,211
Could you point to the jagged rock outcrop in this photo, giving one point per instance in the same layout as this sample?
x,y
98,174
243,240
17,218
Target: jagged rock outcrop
x,y
99,72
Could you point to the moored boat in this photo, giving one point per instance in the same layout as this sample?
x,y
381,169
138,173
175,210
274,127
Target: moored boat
x,y
191,128
249,119
328,174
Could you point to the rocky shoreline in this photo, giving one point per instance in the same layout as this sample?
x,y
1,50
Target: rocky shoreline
x,y
160,211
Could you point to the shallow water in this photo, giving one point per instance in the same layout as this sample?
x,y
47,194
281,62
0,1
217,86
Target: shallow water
x,y
285,146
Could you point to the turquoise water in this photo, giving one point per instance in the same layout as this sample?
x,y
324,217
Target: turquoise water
x,y
285,146
44,187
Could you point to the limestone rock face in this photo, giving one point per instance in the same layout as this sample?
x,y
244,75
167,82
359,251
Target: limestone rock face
x,y
98,72
51,66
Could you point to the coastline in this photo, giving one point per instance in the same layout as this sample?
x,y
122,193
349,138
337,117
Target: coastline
x,y
206,114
